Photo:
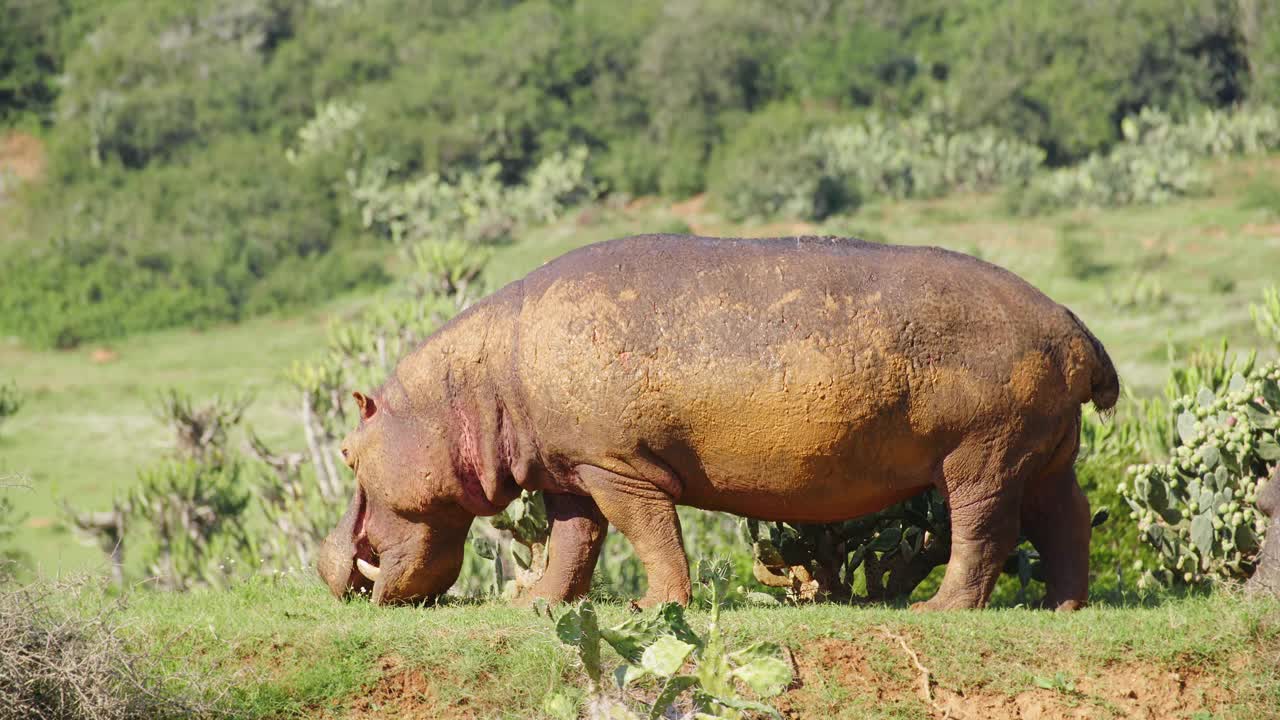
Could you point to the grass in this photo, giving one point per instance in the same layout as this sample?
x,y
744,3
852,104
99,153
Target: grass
x,y
290,650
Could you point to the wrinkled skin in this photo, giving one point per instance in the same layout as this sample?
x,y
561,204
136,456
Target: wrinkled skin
x,y
797,379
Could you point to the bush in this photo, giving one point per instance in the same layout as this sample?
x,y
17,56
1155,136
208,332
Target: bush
x,y
10,400
787,162
1197,510
13,558
230,234
1079,67
1156,163
772,166
62,666
29,60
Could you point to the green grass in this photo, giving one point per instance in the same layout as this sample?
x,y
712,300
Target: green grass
x,y
290,650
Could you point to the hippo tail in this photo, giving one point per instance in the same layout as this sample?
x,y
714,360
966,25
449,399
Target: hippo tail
x,y
1104,383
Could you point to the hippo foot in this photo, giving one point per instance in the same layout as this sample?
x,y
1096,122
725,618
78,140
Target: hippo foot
x,y
1071,605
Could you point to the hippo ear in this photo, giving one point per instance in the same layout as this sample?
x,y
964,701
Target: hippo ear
x,y
367,406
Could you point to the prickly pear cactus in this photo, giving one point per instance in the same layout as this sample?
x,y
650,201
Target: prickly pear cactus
x,y
1198,510
895,548
516,541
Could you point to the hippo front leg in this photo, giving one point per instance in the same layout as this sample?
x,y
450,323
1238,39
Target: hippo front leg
x,y
577,534
646,515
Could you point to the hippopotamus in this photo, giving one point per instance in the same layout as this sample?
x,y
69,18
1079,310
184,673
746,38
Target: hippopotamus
x,y
804,379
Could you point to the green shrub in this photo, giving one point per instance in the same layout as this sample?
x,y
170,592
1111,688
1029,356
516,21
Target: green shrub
x,y
1078,256
791,162
1078,66
771,166
1266,316
13,557
30,57
1211,441
1156,163
1197,510
10,400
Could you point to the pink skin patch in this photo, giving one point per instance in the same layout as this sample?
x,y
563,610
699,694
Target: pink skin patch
x,y
468,467
364,550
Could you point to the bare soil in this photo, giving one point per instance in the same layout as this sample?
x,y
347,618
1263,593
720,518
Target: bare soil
x,y
23,155
842,678
410,693
1121,690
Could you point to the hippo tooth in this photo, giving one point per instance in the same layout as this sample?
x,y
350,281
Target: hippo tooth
x,y
368,569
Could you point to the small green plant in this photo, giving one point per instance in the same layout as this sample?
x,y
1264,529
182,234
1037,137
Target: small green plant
x,y
1078,257
1198,509
1139,291
1267,315
1262,193
659,648
10,401
515,540
12,556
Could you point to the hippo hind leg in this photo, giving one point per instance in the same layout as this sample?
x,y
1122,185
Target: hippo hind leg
x,y
1056,518
983,492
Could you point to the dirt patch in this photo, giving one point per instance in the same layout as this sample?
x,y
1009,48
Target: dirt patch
x,y
690,208
410,693
1131,690
826,669
22,155
1264,231
832,668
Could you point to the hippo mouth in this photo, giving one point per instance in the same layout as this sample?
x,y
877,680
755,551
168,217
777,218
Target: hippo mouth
x,y
365,557
404,562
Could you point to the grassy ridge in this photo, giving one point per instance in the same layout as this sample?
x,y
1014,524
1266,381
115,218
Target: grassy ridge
x,y
292,651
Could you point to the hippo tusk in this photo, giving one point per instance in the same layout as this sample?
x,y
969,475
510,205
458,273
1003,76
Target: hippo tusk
x,y
368,569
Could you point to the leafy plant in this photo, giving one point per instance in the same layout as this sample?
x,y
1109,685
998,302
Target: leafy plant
x,y
660,648
790,163
12,555
1155,163
1079,257
891,552
194,515
472,205
1197,510
11,400
1266,316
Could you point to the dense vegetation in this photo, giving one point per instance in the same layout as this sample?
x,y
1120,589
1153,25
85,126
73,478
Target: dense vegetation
x,y
169,199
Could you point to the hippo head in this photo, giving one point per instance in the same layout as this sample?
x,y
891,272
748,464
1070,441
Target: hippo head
x,y
402,537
